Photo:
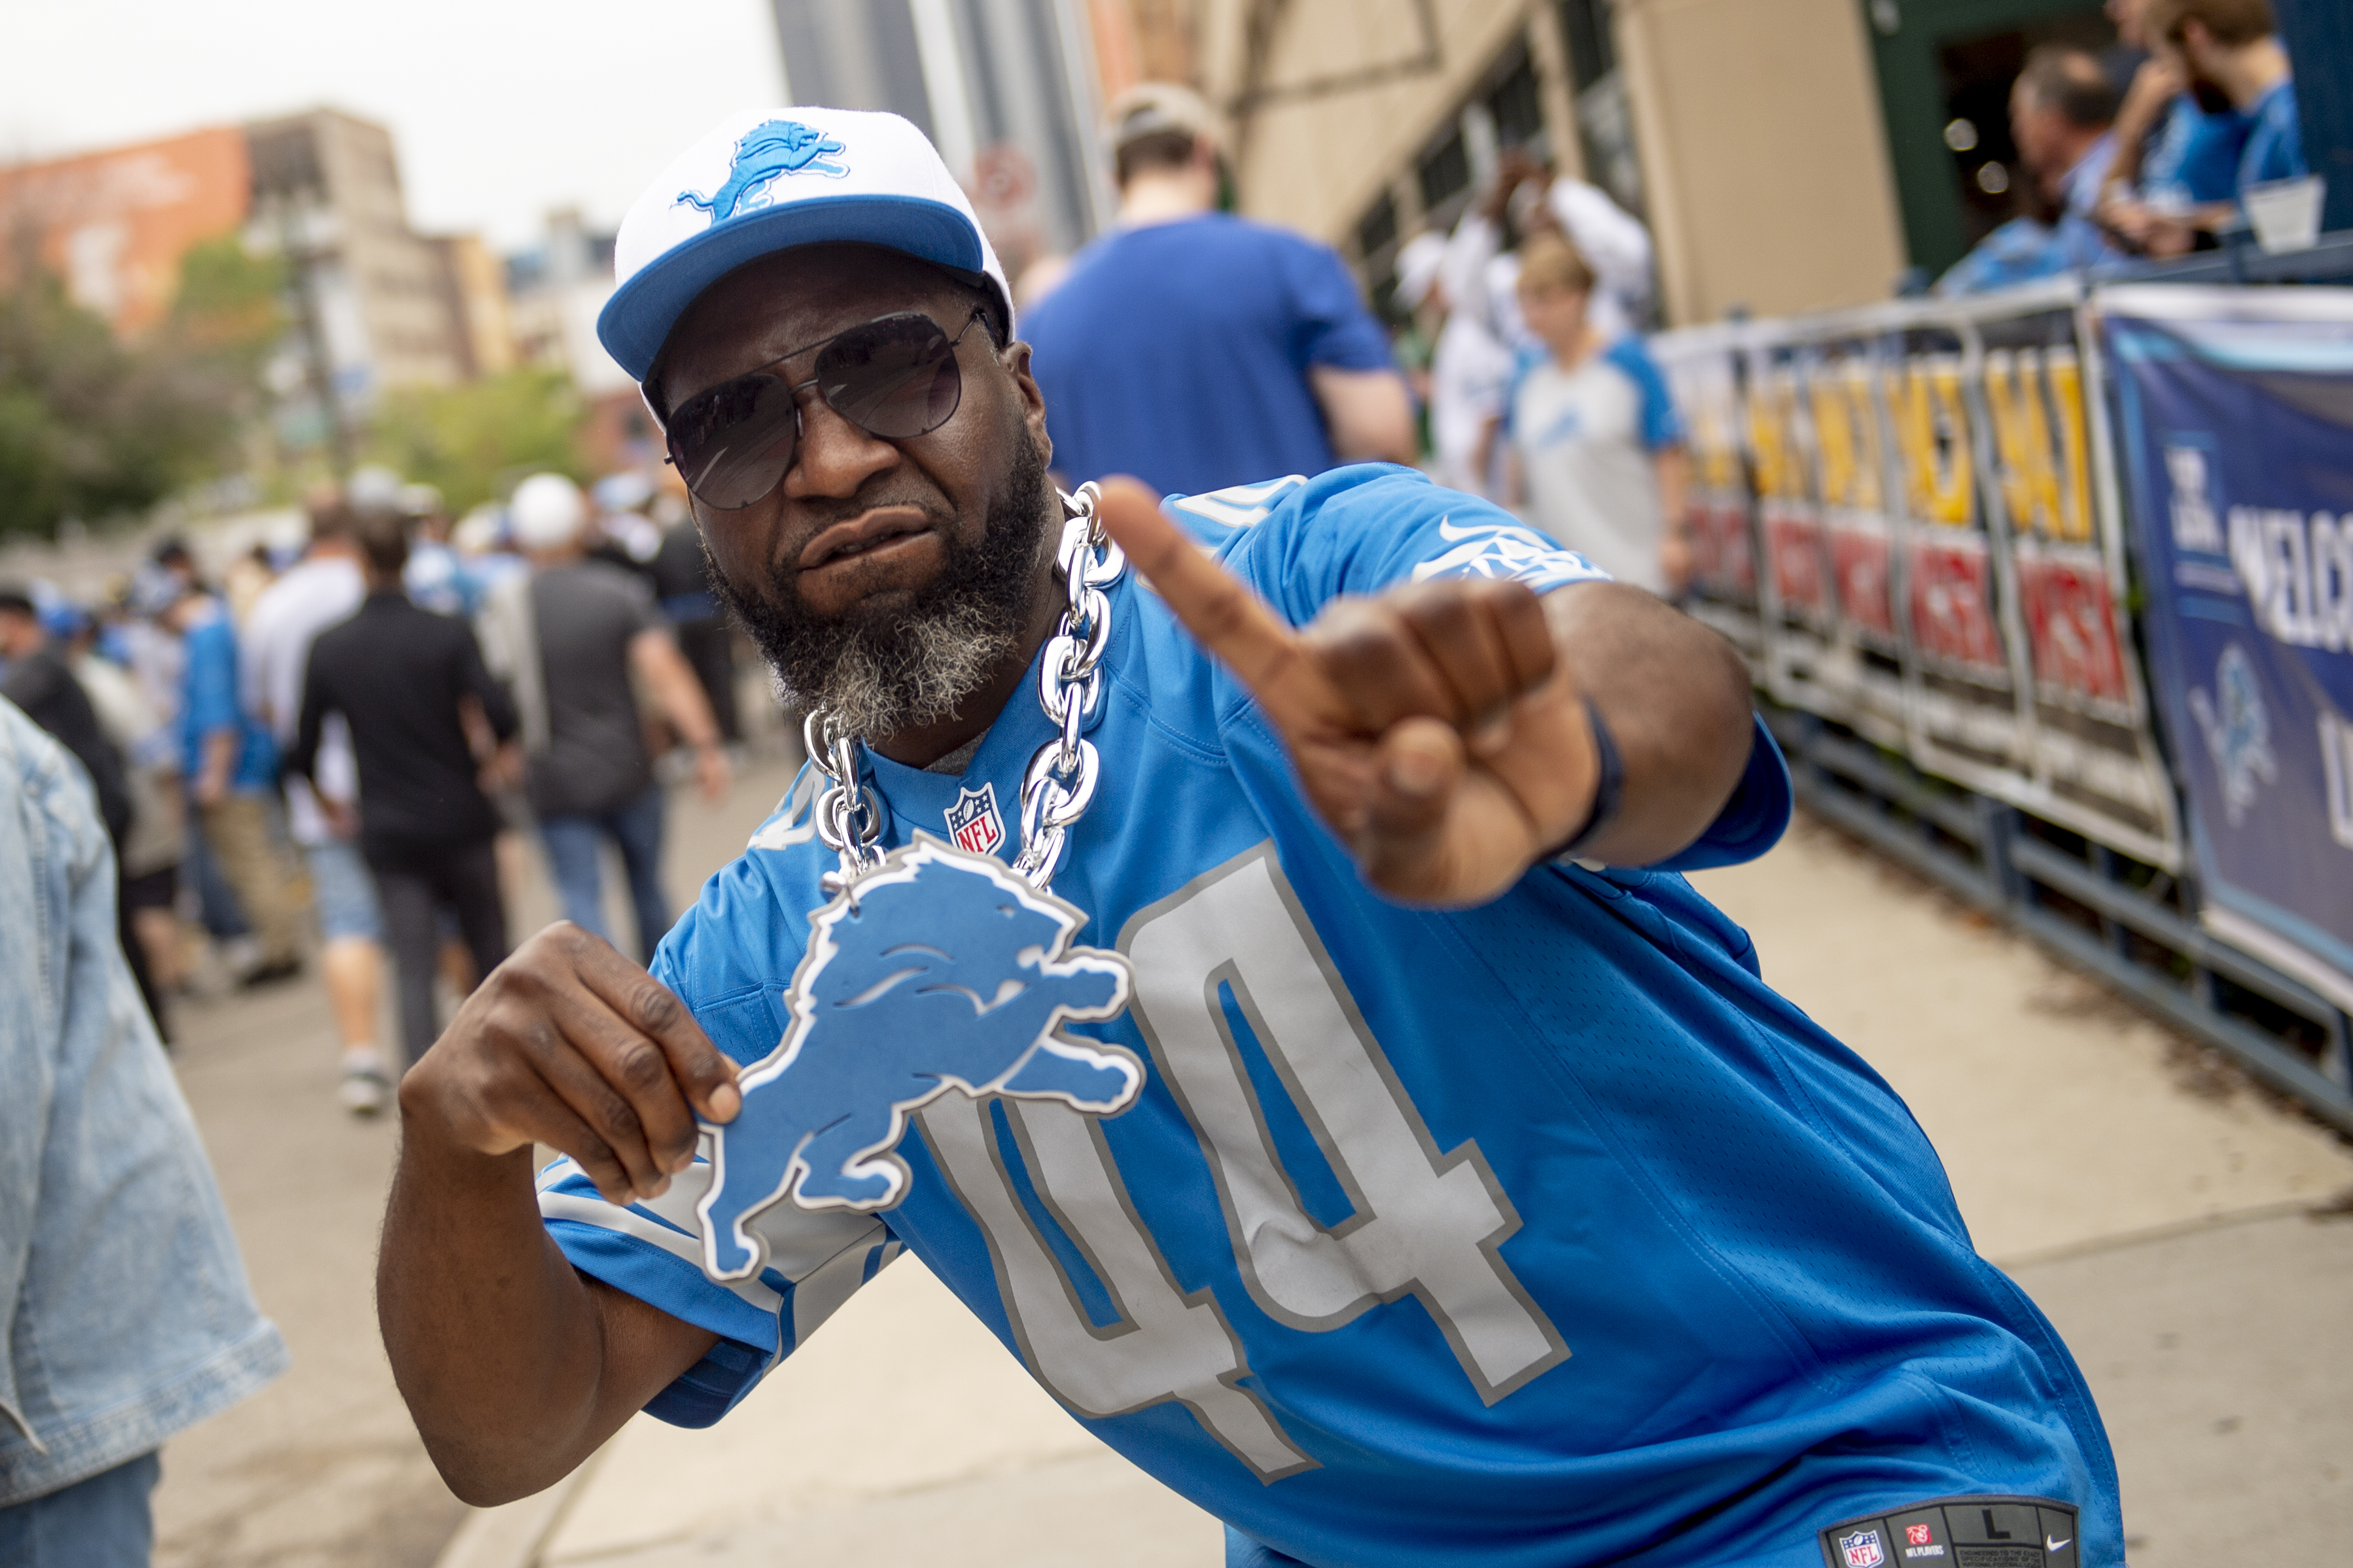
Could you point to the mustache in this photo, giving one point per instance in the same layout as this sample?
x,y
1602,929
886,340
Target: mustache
x,y
814,515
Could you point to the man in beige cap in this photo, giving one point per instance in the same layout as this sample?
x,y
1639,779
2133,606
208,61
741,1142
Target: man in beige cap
x,y
1197,349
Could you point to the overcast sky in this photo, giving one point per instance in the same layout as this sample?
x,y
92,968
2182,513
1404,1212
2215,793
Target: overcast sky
x,y
500,109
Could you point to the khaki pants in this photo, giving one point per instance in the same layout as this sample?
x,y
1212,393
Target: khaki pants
x,y
239,834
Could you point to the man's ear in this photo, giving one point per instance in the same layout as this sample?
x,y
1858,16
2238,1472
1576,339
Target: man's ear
x,y
1014,357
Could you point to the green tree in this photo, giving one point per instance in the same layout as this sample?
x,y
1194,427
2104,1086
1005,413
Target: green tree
x,y
96,429
472,441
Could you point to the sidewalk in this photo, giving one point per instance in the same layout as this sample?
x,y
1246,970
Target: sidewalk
x,y
2157,1211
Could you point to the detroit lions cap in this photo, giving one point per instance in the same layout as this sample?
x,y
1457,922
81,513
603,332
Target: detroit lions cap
x,y
768,180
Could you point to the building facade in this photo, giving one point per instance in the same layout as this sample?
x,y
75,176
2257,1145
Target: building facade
x,y
376,304
1745,132
1006,89
114,225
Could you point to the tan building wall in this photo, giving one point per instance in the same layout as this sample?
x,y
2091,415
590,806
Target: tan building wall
x,y
1317,164
115,224
477,282
1764,154
356,221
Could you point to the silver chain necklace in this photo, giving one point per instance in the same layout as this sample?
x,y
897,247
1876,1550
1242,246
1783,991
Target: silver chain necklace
x,y
1060,782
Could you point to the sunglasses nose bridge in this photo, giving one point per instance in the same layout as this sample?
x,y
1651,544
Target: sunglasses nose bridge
x,y
832,453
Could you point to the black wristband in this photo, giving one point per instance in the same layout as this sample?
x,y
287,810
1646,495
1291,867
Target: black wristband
x,y
1608,786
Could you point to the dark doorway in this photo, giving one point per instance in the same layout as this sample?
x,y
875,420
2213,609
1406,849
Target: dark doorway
x,y
1945,73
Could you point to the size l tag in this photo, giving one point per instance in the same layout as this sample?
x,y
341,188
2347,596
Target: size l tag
x,y
940,971
1958,1532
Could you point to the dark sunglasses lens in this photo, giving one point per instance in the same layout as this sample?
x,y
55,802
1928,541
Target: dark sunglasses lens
x,y
734,443
896,377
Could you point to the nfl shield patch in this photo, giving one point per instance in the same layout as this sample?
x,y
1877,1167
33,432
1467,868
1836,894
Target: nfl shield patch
x,y
1862,1549
973,822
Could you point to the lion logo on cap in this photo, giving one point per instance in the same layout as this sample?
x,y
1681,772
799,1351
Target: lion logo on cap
x,y
763,154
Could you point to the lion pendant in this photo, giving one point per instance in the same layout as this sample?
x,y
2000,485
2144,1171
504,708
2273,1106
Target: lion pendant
x,y
947,971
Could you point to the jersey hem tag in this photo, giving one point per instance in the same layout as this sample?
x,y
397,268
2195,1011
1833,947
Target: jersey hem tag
x,y
1958,1532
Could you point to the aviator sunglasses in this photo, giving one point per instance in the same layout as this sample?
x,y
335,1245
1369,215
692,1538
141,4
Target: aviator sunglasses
x,y
895,376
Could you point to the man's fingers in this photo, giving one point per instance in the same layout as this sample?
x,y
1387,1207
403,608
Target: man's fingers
x,y
1486,640
1229,620
704,1072
579,1087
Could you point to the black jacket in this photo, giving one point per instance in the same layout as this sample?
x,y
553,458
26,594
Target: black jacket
x,y
398,674
43,685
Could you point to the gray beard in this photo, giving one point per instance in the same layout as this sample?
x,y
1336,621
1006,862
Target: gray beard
x,y
942,658
879,674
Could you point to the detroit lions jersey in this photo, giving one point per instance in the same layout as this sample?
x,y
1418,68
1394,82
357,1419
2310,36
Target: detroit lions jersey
x,y
1538,1233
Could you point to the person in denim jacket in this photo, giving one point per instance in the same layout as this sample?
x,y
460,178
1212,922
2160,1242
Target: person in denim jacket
x,y
124,1312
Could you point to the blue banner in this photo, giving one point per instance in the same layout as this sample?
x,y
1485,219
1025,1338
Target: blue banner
x,y
2236,429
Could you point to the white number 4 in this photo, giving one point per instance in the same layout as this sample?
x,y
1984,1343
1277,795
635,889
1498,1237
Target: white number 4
x,y
1425,1223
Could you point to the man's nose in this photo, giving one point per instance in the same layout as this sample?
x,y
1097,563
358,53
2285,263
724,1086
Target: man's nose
x,y
836,457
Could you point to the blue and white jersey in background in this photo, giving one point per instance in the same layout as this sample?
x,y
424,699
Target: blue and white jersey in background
x,y
1588,440
1542,1233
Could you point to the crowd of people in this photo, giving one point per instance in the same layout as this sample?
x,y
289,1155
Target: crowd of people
x,y
311,760
2149,151
1196,349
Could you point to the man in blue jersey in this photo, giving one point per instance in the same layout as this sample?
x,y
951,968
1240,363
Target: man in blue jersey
x,y
1450,1188
1195,348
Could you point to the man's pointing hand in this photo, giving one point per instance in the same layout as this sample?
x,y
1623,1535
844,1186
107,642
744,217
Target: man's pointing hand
x,y
1434,727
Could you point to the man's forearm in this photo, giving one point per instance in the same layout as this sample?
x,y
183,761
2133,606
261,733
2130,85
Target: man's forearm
x,y
1676,698
495,1341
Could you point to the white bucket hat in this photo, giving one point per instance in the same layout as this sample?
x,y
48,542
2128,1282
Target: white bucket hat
x,y
768,180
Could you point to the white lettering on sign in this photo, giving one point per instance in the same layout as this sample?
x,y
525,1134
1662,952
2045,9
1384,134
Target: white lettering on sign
x,y
2298,573
2336,763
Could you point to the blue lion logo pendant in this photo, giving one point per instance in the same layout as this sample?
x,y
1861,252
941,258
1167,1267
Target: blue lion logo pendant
x,y
947,971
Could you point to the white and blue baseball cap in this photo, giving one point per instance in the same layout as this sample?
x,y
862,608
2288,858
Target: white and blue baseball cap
x,y
768,180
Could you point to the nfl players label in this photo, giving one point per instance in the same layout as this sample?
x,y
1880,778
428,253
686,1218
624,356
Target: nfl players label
x,y
1958,1532
936,966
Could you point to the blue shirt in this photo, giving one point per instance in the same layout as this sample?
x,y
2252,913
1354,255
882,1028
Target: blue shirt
x,y
1532,1234
2275,140
1179,352
2194,159
209,704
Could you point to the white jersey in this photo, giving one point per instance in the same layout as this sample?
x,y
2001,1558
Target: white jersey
x,y
1587,438
274,652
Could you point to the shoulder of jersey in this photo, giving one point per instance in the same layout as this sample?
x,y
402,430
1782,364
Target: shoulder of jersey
x,y
1220,513
793,822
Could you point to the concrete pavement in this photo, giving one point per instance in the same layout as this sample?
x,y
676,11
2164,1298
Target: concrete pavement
x,y
2158,1209
323,1469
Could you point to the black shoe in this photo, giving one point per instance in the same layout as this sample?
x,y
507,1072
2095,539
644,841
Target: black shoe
x,y
270,973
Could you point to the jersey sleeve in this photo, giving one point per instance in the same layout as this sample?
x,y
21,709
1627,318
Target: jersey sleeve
x,y
653,1249
1658,423
1302,543
1331,325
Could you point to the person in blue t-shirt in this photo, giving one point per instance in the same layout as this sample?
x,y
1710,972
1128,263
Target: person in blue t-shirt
x,y
1251,973
1197,350
2178,149
230,764
2242,130
2060,109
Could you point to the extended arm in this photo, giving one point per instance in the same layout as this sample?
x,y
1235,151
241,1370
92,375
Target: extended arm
x,y
1673,467
1442,729
307,729
1369,414
1676,698
663,668
514,1366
